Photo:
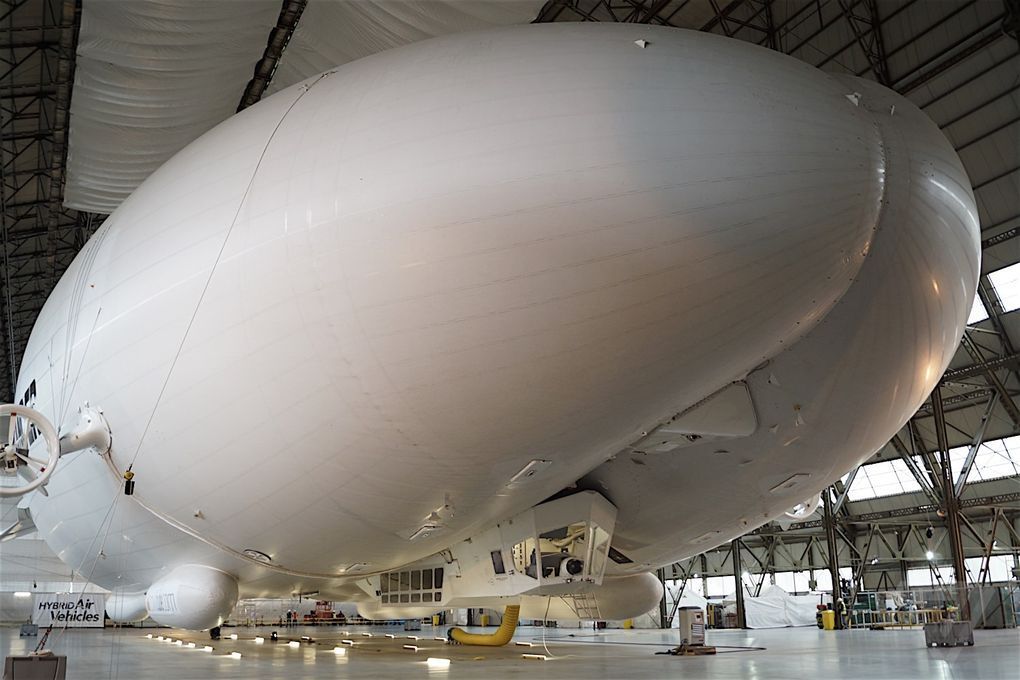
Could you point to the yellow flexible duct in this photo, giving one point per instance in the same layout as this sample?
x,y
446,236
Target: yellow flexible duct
x,y
498,639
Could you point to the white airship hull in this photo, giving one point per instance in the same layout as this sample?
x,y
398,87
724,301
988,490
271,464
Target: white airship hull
x,y
377,296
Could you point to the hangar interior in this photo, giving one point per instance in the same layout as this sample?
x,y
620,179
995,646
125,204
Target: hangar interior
x,y
95,95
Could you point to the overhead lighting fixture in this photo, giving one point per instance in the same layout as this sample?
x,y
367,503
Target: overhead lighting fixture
x,y
411,648
340,651
22,593
929,555
259,640
207,648
235,655
294,643
437,662
535,657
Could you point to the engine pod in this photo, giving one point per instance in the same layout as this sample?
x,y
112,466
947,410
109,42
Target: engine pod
x,y
192,596
126,607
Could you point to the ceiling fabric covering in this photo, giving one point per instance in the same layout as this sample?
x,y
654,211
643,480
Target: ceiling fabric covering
x,y
152,76
332,32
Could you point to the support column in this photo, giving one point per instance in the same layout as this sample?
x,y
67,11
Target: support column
x,y
829,521
738,578
704,575
951,507
661,573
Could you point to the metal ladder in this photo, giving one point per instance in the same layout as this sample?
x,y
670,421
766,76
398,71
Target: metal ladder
x,y
585,606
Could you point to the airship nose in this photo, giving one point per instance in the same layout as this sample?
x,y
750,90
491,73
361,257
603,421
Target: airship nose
x,y
929,204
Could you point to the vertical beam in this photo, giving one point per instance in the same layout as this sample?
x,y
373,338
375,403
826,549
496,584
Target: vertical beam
x,y
829,521
771,34
951,506
704,575
901,546
867,32
661,573
931,465
279,37
738,579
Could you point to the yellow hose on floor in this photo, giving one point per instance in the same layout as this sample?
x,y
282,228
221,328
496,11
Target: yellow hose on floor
x,y
498,639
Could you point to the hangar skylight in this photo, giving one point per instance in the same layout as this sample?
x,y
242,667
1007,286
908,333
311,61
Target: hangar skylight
x,y
977,312
994,460
882,479
1007,285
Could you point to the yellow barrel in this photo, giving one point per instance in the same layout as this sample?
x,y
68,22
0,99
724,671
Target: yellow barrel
x,y
435,619
628,624
485,620
829,620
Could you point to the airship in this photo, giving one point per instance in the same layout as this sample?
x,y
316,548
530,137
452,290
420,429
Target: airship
x,y
508,318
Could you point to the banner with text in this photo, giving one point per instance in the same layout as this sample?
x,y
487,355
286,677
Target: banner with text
x,y
69,610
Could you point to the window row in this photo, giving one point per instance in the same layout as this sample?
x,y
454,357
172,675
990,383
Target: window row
x,y
412,580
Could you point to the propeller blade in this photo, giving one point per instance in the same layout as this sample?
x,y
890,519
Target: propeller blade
x,y
29,475
29,460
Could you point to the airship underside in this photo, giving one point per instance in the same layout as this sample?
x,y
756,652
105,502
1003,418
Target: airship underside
x,y
607,293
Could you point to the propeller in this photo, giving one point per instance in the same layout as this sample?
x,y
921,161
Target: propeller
x,y
33,470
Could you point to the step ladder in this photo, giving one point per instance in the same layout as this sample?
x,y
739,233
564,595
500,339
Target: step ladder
x,y
584,605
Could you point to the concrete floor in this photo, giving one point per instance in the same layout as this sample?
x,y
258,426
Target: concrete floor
x,y
789,653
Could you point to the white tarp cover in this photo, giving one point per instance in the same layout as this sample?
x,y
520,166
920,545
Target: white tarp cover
x,y
775,608
153,75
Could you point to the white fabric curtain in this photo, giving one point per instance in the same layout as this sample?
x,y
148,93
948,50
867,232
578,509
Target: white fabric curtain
x,y
153,75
